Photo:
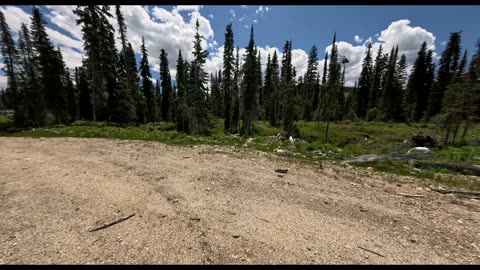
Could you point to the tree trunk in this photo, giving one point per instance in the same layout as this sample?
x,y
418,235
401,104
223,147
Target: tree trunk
x,y
465,129
447,136
459,167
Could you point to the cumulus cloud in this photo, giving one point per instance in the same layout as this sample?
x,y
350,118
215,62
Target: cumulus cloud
x,y
232,12
267,9
255,21
244,6
60,16
358,39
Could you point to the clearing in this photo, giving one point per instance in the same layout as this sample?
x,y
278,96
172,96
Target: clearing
x,y
217,205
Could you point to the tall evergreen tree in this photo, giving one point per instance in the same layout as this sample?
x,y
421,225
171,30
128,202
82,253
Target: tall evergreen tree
x,y
147,86
310,80
198,78
228,74
167,96
250,87
236,95
31,102
183,115
416,94
364,83
447,66
10,58
375,91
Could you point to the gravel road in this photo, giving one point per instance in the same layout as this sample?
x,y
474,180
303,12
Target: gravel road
x,y
216,205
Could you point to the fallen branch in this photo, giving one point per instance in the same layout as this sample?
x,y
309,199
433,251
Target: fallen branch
x,y
411,195
459,167
262,219
281,170
111,224
371,251
444,191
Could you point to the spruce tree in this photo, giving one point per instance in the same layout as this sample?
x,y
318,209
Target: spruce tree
x,y
447,66
364,83
310,81
167,96
375,91
198,97
228,74
183,117
250,87
10,58
147,86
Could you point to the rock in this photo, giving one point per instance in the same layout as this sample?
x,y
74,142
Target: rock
x,y
176,200
280,151
291,139
236,236
281,170
280,175
419,151
208,189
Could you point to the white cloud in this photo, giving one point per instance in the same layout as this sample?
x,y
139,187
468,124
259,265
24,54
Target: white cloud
x,y
267,9
443,43
232,12
242,18
63,17
244,6
358,39
255,21
15,17
60,16
211,16
408,38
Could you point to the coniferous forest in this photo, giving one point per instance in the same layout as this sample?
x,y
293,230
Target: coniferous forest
x,y
110,87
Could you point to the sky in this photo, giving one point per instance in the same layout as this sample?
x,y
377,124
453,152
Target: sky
x,y
173,27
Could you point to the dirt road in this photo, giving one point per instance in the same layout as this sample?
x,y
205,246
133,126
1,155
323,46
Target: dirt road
x,y
212,205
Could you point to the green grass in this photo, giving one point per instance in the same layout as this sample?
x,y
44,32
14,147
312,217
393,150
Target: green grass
x,y
345,140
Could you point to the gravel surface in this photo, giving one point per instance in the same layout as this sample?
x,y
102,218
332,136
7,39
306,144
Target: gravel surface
x,y
216,205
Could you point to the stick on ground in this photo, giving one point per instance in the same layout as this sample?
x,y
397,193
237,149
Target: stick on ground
x,y
411,195
111,224
371,251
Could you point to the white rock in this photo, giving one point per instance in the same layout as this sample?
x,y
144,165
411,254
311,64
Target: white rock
x,y
418,150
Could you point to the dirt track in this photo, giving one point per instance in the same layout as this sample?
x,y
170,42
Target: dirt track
x,y
53,191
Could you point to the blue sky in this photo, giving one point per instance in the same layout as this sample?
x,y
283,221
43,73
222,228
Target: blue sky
x,y
172,28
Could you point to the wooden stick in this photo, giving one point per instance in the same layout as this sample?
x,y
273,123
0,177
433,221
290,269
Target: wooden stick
x,y
411,195
371,251
111,224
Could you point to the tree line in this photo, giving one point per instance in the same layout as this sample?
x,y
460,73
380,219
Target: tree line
x,y
109,86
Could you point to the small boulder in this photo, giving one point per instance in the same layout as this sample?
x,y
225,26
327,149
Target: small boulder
x,y
419,151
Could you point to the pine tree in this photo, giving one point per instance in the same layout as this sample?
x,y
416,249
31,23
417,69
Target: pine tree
x,y
447,66
228,74
310,81
416,94
147,86
167,95
391,91
364,83
31,103
236,95
198,97
10,58
331,108
289,106
183,117
375,91
250,87
258,64
320,108
102,61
